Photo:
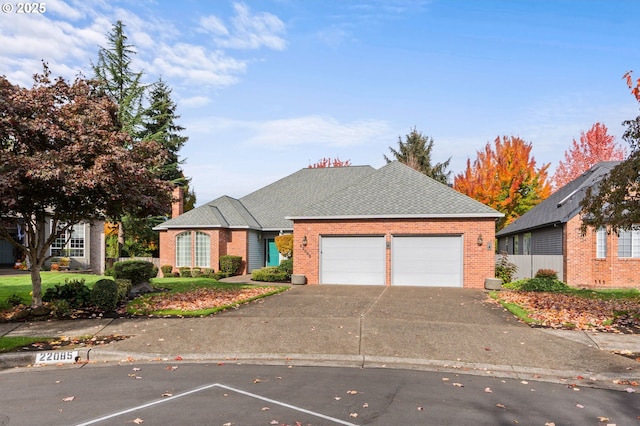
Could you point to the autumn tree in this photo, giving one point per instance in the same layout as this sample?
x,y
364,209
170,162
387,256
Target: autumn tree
x,y
615,201
329,162
505,177
64,160
595,145
415,152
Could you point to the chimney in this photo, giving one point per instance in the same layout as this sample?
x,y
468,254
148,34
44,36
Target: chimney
x,y
177,206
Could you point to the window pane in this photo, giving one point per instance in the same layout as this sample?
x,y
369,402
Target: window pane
x,y
635,243
601,243
203,258
624,243
75,247
183,249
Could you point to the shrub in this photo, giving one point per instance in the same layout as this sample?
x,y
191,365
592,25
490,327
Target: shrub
x,y
230,264
104,295
538,284
505,270
124,287
138,271
270,274
14,300
286,266
207,273
185,272
218,275
166,270
196,272
75,292
60,308
547,273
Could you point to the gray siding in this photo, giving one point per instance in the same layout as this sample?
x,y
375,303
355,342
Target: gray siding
x,y
547,241
256,251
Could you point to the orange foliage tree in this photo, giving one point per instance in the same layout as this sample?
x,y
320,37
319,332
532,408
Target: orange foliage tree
x,y
635,89
506,178
329,162
595,145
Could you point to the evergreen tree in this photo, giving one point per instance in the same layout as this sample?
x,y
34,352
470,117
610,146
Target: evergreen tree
x,y
123,85
415,152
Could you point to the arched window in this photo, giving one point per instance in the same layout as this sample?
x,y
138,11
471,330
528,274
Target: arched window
x,y
203,250
183,249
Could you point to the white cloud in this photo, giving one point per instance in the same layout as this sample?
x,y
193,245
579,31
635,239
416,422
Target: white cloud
x,y
248,31
194,102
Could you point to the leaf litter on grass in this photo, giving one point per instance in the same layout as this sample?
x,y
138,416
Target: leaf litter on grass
x,y
567,311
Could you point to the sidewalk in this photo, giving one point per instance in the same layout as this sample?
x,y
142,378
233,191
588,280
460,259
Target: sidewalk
x,y
361,326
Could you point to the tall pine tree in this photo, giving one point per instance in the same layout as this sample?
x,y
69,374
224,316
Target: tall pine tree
x,y
415,152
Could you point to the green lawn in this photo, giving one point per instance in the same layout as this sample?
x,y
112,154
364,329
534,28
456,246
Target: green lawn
x,y
10,344
20,285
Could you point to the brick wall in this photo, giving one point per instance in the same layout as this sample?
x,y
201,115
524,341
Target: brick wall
x,y
479,261
583,269
223,241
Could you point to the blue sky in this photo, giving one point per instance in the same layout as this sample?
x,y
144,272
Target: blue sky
x,y
264,88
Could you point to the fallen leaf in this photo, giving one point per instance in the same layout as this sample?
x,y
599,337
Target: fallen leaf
x,y
524,382
353,415
579,405
274,422
420,408
603,419
167,394
264,409
69,399
488,390
352,392
257,381
337,398
178,358
630,390
460,385
137,421
501,406
136,369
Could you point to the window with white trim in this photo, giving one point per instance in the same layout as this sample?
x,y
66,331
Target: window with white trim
x,y
69,243
629,243
601,243
203,250
526,243
183,249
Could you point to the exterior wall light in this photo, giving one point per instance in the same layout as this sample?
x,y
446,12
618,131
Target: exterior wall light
x,y
480,241
304,241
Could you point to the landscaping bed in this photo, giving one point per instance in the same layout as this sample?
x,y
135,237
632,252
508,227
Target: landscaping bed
x,y
579,311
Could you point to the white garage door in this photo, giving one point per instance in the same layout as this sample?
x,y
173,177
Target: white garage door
x,y
352,260
427,261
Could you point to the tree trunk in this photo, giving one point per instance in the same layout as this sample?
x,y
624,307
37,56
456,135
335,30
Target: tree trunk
x,y
36,286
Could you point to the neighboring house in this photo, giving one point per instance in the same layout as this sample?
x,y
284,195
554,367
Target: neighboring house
x,y
549,237
84,245
351,225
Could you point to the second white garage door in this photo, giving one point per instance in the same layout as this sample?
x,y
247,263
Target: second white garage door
x,y
352,260
426,261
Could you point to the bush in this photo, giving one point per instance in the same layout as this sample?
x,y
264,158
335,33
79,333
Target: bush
x,y
547,273
60,308
230,264
166,270
75,292
505,270
104,295
124,288
138,271
196,272
185,272
218,275
286,266
14,300
270,274
538,284
207,273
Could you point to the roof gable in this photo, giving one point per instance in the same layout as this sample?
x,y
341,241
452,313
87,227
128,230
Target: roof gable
x,y
395,190
562,205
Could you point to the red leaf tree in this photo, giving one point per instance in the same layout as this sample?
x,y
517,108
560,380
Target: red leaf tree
x,y
595,145
505,177
329,162
64,160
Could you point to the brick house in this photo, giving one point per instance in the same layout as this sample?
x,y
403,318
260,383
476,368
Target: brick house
x,y
351,225
549,236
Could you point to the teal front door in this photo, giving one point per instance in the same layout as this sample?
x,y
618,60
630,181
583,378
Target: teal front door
x,y
273,256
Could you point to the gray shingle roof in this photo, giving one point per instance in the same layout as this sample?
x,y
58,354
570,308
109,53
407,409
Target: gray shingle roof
x,y
563,204
395,190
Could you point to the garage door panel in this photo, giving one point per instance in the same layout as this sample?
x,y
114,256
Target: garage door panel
x,y
353,260
427,261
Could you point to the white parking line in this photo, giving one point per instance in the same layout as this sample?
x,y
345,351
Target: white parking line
x,y
214,385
